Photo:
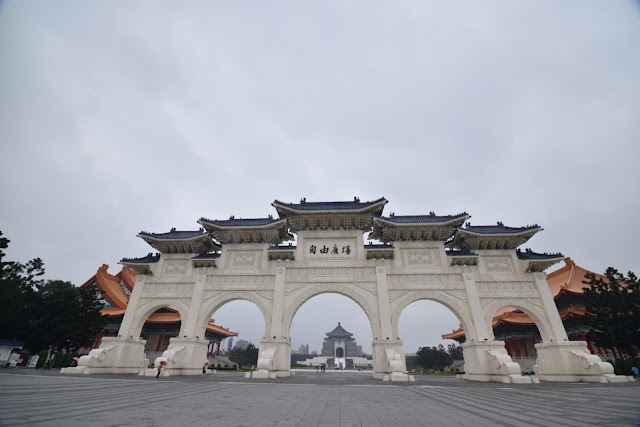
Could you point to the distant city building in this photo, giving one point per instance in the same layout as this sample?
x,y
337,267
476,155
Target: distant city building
x,y
304,349
230,344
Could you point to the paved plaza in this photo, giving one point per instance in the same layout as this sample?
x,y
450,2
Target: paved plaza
x,y
47,398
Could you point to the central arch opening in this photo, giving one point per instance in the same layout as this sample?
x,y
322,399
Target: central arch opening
x,y
333,330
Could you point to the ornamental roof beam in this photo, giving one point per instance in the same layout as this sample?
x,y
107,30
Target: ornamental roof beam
x,y
491,237
349,215
416,227
197,241
248,230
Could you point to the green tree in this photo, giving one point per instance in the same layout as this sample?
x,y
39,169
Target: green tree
x,y
433,357
613,310
67,317
244,357
455,352
53,314
19,284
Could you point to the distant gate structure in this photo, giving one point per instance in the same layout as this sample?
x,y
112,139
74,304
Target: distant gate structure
x,y
472,270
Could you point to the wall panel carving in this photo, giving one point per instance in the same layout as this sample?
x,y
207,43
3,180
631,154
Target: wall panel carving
x,y
421,257
498,264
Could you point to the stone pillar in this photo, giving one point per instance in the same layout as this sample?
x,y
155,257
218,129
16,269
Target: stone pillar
x,y
388,352
132,307
191,322
557,332
483,333
274,359
116,355
563,360
489,361
486,359
184,356
123,354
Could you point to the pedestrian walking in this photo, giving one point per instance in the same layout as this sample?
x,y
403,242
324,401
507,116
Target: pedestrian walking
x,y
636,373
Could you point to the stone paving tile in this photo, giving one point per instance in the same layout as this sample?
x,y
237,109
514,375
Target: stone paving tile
x,y
309,400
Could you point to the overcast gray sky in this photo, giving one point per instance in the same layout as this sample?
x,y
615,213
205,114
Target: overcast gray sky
x,y
117,117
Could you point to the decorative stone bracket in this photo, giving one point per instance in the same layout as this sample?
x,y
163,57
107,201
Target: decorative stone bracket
x,y
489,361
115,355
571,361
274,359
184,356
396,366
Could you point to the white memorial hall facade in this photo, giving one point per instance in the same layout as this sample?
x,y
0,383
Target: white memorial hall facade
x,y
472,270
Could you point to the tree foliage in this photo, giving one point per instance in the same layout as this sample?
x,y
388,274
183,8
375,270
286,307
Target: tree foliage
x,y
437,357
53,314
613,310
244,356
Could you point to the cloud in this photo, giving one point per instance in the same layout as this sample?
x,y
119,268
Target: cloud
x,y
116,118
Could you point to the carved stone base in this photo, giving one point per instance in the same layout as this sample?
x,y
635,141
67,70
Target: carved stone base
x,y
184,356
389,361
489,361
274,359
571,361
115,356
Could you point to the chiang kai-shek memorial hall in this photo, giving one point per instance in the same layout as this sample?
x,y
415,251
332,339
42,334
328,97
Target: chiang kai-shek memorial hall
x,y
472,270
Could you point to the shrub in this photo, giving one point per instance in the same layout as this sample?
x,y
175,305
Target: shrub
x,y
42,358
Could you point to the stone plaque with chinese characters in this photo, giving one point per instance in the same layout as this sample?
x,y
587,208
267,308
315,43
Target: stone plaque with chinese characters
x,y
330,248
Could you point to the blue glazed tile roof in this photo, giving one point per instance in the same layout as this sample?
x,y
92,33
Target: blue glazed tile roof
x,y
528,254
241,222
339,331
150,258
419,219
356,204
213,255
497,229
174,235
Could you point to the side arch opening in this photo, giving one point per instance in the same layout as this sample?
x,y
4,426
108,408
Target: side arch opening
x,y
431,334
521,326
234,327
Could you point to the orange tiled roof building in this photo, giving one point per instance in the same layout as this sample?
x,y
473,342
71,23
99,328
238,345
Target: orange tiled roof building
x,y
159,327
520,333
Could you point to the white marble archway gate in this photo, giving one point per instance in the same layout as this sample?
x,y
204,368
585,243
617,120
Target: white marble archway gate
x,y
473,270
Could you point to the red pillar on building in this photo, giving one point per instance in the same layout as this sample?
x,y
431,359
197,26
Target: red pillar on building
x,y
516,346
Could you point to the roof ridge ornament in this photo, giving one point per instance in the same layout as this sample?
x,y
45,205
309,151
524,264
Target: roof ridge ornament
x,y
357,200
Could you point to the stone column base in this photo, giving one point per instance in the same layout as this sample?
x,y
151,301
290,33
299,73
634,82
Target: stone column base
x,y
274,359
389,361
184,356
116,355
489,361
571,361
